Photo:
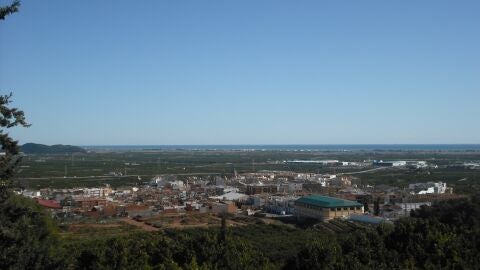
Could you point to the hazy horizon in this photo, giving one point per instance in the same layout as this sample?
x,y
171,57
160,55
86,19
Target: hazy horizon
x,y
249,72
293,147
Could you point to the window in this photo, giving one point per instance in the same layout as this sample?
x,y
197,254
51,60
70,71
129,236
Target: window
x,y
332,209
352,208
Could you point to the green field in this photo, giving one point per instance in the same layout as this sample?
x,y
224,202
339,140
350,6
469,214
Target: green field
x,y
92,169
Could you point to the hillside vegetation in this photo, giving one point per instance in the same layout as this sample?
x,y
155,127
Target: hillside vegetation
x,y
35,148
444,236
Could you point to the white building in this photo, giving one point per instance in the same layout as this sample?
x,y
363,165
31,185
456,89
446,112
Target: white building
x,y
399,163
323,180
417,164
231,196
177,185
281,205
97,192
158,181
428,188
30,193
323,162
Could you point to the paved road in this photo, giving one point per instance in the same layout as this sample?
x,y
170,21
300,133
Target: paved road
x,y
142,175
366,171
112,176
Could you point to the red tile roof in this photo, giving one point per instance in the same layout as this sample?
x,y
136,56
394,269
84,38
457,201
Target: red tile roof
x,y
49,203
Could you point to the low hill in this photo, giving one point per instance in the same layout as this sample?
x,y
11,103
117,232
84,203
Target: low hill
x,y
35,148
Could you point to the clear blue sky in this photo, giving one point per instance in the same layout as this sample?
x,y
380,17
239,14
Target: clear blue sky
x,y
244,72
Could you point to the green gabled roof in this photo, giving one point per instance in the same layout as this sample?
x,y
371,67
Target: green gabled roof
x,y
327,202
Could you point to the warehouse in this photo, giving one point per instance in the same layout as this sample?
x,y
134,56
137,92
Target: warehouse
x,y
389,163
325,208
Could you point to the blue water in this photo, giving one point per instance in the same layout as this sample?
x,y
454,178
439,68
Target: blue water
x,y
307,147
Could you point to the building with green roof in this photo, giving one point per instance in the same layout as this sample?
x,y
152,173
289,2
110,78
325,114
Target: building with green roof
x,y
325,208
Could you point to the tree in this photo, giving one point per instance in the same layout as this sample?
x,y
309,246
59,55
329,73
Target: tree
x,y
223,230
321,253
27,240
9,117
365,206
26,231
376,207
7,10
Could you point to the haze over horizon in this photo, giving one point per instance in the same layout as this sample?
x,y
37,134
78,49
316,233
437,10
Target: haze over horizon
x,y
249,72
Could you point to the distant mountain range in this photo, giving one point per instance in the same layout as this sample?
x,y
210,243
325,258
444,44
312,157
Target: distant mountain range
x,y
35,148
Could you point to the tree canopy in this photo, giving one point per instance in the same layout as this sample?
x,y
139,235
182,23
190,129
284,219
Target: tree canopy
x,y
7,10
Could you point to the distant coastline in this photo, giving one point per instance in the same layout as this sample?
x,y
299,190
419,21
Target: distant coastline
x,y
293,147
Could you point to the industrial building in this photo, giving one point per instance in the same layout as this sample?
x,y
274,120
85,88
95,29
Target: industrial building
x,y
325,208
389,163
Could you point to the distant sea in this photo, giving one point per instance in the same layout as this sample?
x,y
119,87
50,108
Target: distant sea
x,y
293,147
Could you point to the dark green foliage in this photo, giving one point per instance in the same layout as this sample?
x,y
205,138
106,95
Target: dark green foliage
x,y
27,239
438,237
157,251
9,117
133,252
376,207
321,253
461,214
365,207
7,10
35,148
223,230
462,221
277,242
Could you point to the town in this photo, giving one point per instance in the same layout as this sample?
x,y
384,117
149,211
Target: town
x,y
183,201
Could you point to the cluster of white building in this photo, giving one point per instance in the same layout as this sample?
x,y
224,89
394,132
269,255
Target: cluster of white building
x,y
402,163
428,188
326,162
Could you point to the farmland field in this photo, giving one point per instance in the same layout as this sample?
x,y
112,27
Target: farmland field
x,y
134,167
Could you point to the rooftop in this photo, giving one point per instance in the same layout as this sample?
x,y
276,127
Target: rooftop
x,y
230,196
368,219
327,202
48,203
